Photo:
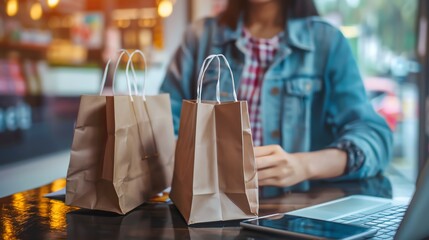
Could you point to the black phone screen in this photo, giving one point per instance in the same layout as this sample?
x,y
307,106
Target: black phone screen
x,y
289,224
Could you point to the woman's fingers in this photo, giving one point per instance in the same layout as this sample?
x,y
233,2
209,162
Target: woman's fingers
x,y
267,162
275,173
266,150
265,174
275,166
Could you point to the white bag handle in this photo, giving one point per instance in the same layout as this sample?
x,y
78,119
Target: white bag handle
x,y
204,67
106,70
145,72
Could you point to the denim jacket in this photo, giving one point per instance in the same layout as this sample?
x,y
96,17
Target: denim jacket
x,y
312,96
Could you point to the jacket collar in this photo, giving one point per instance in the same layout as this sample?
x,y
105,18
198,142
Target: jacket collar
x,y
298,34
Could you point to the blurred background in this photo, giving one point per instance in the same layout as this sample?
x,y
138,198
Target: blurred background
x,y
53,51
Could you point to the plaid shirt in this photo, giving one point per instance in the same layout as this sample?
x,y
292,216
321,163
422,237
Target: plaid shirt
x,y
260,54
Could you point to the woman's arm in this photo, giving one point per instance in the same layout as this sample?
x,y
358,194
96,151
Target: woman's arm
x,y
351,115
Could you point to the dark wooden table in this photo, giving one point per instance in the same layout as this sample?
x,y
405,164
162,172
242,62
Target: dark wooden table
x,y
29,215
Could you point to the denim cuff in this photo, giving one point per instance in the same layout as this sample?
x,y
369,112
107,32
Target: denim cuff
x,y
355,155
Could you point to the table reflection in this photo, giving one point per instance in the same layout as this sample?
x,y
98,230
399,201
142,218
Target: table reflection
x,y
28,215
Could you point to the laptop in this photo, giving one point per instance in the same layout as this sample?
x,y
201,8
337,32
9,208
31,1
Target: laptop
x,y
392,219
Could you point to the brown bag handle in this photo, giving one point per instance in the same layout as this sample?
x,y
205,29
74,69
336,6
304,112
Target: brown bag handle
x,y
106,70
204,67
130,60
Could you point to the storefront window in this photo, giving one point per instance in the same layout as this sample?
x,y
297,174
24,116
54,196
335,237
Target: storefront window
x,y
51,55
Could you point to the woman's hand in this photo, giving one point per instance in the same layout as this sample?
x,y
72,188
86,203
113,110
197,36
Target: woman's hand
x,y
279,168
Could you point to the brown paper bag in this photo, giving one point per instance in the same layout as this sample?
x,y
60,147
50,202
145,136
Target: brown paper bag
x,y
215,176
122,151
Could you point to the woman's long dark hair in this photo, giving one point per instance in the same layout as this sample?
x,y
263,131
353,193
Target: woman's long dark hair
x,y
291,9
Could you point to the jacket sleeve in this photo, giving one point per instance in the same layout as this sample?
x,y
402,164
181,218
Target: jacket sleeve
x,y
179,78
350,114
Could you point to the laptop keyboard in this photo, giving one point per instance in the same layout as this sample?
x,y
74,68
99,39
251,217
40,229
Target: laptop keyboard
x,y
386,221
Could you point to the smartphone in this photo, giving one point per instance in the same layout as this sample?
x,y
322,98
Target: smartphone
x,y
307,228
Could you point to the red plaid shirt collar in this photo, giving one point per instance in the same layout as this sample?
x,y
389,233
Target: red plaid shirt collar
x,y
260,55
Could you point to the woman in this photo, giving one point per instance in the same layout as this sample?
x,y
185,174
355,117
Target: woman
x,y
308,109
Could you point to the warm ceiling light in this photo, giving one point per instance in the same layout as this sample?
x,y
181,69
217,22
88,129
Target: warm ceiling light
x,y
36,11
53,3
165,8
146,22
124,23
12,7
